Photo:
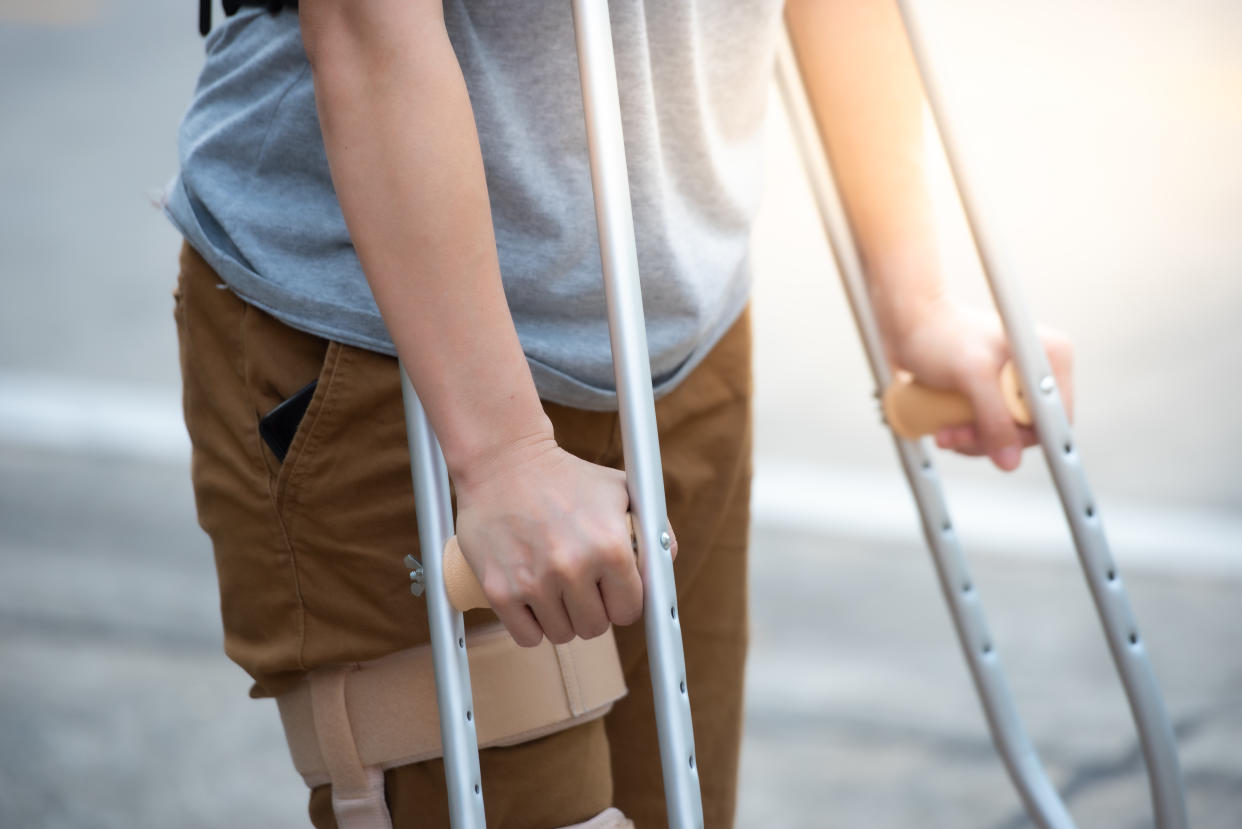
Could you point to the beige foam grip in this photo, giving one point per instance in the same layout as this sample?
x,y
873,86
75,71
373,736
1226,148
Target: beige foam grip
x,y
464,591
914,410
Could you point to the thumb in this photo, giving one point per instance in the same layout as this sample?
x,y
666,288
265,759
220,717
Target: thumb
x,y
998,434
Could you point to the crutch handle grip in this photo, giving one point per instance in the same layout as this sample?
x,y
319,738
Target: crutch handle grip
x,y
463,588
461,584
914,410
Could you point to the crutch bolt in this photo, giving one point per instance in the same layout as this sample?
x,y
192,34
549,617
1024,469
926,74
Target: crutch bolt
x,y
1047,384
417,583
665,540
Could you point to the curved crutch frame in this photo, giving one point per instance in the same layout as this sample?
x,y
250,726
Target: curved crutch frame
x,y
1038,387
644,475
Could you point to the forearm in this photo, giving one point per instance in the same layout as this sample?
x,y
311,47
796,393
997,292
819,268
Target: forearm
x,y
404,153
867,97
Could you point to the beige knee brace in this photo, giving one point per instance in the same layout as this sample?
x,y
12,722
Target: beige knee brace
x,y
607,819
347,724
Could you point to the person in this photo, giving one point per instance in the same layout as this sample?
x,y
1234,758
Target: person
x,y
361,179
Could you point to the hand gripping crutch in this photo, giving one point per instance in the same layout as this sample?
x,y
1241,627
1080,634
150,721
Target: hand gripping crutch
x,y
1038,389
641,450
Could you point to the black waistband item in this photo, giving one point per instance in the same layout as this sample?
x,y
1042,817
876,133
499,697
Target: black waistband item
x,y
232,6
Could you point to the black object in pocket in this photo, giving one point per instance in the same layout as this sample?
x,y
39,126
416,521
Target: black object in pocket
x,y
278,426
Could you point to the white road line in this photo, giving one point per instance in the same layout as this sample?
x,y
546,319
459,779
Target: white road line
x,y
48,412
875,505
871,504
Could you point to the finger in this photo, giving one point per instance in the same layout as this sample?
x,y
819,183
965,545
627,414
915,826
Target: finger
x,y
998,433
520,623
672,543
622,592
964,438
585,607
550,613
961,439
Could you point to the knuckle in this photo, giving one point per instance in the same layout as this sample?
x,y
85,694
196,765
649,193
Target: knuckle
x,y
565,566
976,366
498,590
614,551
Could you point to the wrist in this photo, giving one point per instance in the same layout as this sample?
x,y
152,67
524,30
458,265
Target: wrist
x,y
472,463
901,319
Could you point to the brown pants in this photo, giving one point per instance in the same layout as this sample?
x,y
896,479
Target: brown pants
x,y
309,552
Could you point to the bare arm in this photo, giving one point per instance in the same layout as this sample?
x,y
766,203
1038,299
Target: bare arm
x,y
868,101
407,168
544,531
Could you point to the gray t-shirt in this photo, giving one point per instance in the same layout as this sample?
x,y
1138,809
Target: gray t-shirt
x,y
254,195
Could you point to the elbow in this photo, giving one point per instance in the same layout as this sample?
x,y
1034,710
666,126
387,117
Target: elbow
x,y
366,31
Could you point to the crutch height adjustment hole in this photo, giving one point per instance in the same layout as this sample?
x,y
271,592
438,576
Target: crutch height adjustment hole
x,y
683,686
946,526
1133,638
1090,511
967,587
1112,575
477,788
469,715
691,761
461,642
987,648
926,463
1069,448
672,611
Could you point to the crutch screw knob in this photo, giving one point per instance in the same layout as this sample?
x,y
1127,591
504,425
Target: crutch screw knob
x,y
665,540
1047,384
417,584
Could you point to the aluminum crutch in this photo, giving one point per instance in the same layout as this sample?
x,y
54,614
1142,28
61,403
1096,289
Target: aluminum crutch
x,y
640,446
1037,792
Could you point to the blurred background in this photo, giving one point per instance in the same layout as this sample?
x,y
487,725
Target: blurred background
x,y
1104,138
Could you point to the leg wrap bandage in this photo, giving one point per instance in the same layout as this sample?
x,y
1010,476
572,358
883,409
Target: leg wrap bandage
x,y
347,724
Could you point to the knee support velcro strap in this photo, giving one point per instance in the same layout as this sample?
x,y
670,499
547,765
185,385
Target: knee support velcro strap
x,y
608,819
345,722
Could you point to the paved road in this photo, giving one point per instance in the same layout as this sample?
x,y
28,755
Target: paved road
x,y
118,709
1106,136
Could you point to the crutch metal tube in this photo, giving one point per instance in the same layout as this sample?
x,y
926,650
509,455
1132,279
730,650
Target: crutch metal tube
x,y
960,592
1061,452
446,626
640,439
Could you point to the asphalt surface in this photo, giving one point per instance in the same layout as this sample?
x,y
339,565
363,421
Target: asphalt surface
x,y
117,708
1105,138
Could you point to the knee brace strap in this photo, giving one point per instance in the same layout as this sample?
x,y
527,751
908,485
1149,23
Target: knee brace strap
x,y
345,724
